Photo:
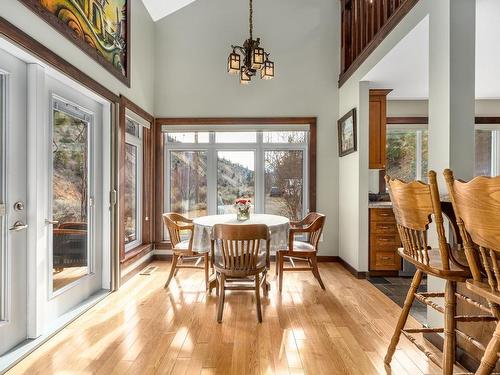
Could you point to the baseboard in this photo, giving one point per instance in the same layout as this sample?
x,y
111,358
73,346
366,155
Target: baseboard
x,y
321,258
461,357
357,274
383,274
138,267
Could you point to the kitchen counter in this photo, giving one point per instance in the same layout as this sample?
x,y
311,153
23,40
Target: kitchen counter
x,y
379,204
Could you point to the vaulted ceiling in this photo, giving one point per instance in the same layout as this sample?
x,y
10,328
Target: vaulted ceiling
x,y
161,8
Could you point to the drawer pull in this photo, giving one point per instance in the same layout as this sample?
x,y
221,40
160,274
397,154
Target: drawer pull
x,y
386,258
385,227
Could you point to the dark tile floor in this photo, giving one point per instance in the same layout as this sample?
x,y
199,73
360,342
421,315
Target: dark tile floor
x,y
396,289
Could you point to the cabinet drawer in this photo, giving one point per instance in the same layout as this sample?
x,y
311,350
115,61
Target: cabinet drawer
x,y
382,214
382,227
386,260
388,242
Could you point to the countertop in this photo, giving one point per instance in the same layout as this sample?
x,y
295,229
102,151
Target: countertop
x,y
443,198
379,204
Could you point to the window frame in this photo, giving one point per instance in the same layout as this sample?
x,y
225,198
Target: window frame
x,y
259,123
137,142
259,148
146,182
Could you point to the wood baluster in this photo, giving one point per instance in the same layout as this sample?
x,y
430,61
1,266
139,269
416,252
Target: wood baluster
x,y
493,256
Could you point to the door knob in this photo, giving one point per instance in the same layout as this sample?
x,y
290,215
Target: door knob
x,y
18,226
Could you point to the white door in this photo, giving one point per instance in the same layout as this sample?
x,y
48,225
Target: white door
x,y
74,216
13,190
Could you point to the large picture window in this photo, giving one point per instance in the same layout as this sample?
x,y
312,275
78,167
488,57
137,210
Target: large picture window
x,y
206,171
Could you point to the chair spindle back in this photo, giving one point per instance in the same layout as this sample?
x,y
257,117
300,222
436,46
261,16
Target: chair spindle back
x,y
175,224
477,208
414,204
239,246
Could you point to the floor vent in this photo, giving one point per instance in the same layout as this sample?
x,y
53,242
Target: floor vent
x,y
148,270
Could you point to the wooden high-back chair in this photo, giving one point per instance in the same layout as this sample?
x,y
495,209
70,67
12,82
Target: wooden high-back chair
x,y
239,256
312,227
477,208
183,249
415,206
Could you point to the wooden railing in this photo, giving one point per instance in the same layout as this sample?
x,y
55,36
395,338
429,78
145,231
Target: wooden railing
x,y
365,23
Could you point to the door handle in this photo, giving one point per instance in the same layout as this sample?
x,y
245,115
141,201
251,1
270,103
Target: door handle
x,y
18,226
51,222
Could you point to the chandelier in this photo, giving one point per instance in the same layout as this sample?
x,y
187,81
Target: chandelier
x,y
255,59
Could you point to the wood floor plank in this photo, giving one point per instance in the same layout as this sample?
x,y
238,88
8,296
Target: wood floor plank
x,y
146,329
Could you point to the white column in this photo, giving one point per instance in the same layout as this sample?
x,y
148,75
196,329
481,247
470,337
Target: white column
x,y
452,31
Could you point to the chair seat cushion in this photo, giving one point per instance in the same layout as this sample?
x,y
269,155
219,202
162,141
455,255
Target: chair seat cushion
x,y
182,246
300,247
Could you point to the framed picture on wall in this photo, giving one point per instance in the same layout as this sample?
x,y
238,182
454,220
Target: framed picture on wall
x,y
347,133
101,28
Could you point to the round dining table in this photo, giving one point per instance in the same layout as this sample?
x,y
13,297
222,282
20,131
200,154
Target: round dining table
x,y
278,227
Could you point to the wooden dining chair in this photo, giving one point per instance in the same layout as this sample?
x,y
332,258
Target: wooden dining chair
x,y
415,205
311,226
240,260
477,208
183,249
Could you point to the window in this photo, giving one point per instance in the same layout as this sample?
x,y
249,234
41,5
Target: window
x,y
206,171
72,200
487,144
133,184
407,152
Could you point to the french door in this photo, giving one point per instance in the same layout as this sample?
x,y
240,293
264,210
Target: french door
x,y
13,192
55,179
74,214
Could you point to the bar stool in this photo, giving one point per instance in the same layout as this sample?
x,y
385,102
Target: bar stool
x,y
414,205
477,208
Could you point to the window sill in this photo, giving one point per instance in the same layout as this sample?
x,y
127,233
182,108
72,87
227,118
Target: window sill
x,y
136,253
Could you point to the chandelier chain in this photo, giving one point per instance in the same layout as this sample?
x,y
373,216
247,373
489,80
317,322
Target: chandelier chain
x,y
251,19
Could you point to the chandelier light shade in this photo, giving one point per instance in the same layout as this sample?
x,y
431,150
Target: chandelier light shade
x,y
234,63
267,71
253,58
245,78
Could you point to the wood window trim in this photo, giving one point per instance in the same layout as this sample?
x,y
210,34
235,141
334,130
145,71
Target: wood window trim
x,y
424,120
147,183
160,244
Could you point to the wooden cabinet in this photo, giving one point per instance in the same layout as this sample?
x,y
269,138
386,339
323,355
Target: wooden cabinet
x,y
378,123
384,241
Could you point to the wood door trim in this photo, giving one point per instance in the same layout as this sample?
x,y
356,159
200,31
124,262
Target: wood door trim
x,y
37,49
159,152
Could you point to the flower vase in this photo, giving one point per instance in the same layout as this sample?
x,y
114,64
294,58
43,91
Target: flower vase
x,y
243,214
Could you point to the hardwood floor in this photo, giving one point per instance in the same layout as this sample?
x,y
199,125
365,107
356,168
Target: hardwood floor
x,y
145,329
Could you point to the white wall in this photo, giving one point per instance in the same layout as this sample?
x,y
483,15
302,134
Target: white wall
x,y
142,44
411,108
303,37
353,169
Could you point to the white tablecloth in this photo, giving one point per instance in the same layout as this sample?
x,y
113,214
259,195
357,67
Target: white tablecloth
x,y
278,226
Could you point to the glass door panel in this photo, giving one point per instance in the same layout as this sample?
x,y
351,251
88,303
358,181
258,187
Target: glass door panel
x,y
188,183
283,183
70,199
235,179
